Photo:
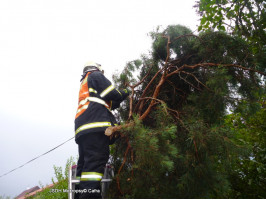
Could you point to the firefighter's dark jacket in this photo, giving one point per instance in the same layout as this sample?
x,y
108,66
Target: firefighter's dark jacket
x,y
96,116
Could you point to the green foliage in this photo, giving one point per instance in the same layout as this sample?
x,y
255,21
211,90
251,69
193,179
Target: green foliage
x,y
154,155
60,184
126,76
173,163
245,18
4,197
179,47
187,146
248,172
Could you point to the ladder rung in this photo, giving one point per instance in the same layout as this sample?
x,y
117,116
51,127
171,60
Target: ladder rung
x,y
106,180
75,181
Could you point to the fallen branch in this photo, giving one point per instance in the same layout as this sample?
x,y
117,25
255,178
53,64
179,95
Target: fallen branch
x,y
116,129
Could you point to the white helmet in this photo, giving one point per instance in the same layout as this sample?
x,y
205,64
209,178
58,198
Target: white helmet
x,y
92,66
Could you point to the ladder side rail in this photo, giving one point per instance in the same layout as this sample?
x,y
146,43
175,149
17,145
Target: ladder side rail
x,y
70,195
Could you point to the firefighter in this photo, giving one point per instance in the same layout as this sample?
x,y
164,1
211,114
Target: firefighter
x,y
97,97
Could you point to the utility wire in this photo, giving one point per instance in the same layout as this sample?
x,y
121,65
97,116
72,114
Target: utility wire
x,y
36,158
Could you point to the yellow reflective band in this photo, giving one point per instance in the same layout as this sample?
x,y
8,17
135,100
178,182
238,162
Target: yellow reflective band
x,y
93,99
92,90
83,107
82,102
91,176
92,125
118,92
84,81
90,179
107,90
97,100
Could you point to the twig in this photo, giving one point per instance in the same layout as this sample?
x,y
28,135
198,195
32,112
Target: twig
x,y
197,80
155,94
212,65
145,91
168,51
158,87
132,93
196,149
181,36
188,82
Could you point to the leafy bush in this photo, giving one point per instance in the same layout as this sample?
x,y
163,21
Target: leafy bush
x,y
61,184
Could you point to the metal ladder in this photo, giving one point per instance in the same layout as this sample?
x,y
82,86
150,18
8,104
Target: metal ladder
x,y
105,182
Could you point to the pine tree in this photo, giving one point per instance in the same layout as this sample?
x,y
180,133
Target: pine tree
x,y
176,141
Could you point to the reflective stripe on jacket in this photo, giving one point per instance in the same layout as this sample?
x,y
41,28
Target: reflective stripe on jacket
x,y
97,96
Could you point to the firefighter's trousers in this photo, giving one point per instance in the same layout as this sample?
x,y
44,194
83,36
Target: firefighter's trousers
x,y
93,156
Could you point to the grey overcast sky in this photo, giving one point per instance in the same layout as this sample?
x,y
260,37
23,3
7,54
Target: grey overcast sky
x,y
43,46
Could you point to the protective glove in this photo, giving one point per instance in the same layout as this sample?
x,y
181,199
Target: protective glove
x,y
124,93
